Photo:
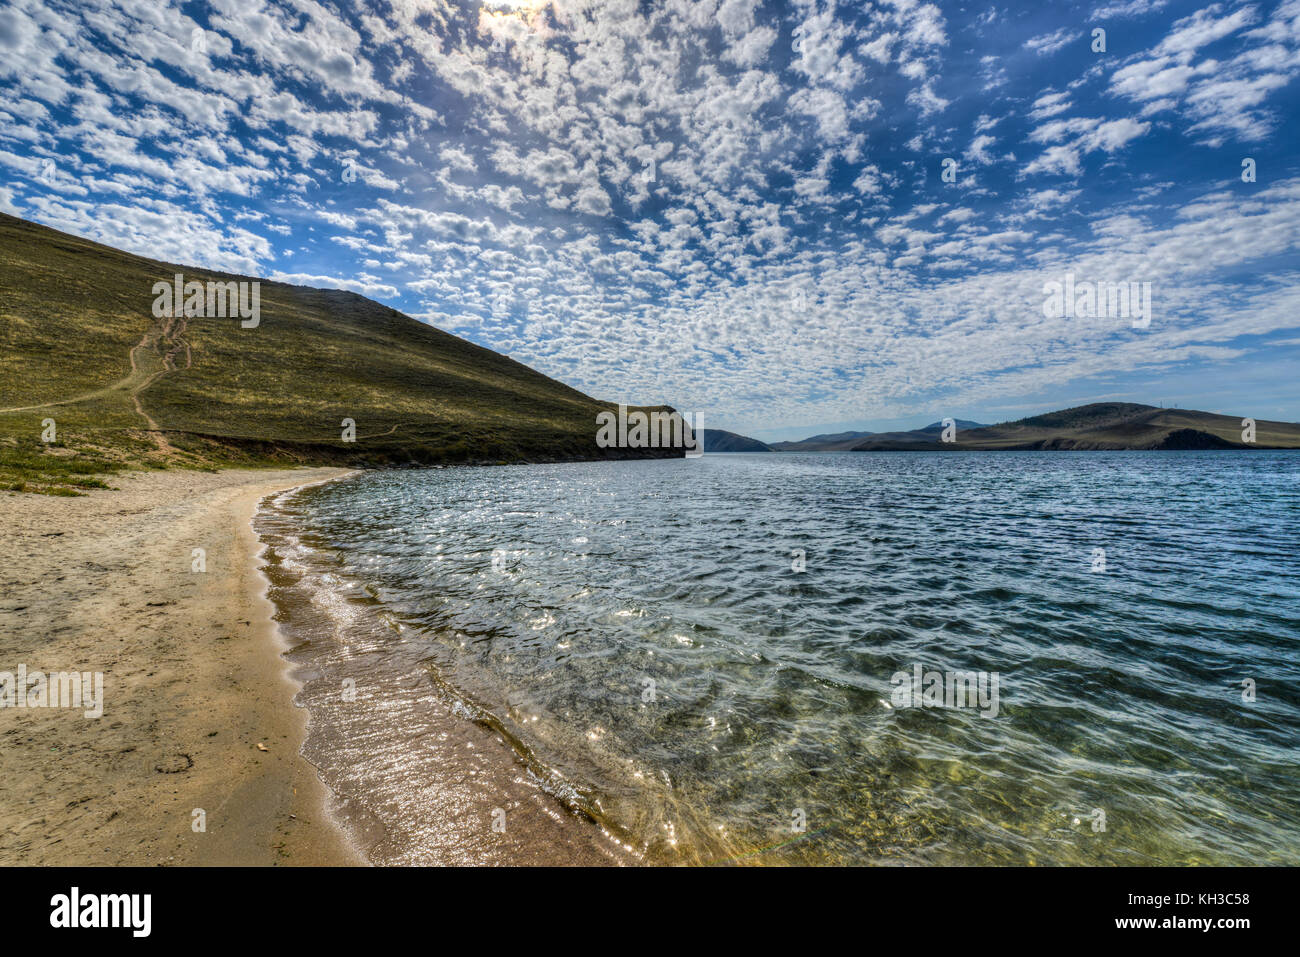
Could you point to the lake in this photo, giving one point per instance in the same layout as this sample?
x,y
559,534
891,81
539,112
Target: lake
x,y
857,658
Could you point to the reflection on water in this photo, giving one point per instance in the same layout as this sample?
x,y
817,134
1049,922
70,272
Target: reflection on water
x,y
638,635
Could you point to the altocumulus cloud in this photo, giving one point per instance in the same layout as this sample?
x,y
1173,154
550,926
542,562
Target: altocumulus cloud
x,y
736,207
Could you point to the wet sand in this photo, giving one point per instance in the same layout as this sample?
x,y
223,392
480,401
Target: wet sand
x,y
195,685
419,776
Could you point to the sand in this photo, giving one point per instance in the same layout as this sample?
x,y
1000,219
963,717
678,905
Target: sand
x,y
195,681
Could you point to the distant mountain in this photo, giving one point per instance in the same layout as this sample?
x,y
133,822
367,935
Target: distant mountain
x,y
829,442
848,441
937,427
718,440
1098,427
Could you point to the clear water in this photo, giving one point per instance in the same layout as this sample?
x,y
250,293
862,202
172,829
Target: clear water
x,y
637,633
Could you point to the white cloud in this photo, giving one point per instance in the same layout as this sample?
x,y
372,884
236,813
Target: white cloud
x,y
1049,43
609,181
372,289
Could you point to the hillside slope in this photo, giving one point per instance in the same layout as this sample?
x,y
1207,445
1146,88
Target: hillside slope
x,y
719,440
850,441
79,344
827,442
1103,426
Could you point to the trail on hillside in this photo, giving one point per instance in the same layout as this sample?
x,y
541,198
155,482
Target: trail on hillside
x,y
172,334
119,386
390,431
165,336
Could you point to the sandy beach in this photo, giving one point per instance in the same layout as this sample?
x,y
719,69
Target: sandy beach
x,y
197,702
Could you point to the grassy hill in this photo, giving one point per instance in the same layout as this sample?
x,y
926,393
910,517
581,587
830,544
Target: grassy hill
x,y
79,344
1102,426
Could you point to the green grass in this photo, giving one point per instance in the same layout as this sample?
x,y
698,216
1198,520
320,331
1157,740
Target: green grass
x,y
28,465
73,313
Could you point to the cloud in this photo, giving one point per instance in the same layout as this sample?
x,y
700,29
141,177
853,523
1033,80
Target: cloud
x,y
631,196
331,282
1075,138
926,101
1049,43
1220,97
1049,105
1126,9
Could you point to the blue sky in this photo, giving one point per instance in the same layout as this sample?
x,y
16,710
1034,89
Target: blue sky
x,y
736,208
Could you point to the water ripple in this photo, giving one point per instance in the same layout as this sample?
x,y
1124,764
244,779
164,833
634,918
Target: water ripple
x,y
640,630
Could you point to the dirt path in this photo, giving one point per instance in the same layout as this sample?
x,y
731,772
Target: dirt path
x,y
377,435
167,331
121,385
173,333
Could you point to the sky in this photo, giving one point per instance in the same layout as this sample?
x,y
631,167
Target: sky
x,y
784,218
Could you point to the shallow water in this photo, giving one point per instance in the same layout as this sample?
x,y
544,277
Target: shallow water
x,y
638,637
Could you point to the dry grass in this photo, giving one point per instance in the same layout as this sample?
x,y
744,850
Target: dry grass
x,y
79,344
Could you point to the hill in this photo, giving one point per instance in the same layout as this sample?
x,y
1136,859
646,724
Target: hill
x,y
80,344
827,442
719,440
937,427
1099,427
848,441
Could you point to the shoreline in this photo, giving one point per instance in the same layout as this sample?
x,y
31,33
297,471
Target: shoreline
x,y
415,772
197,756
